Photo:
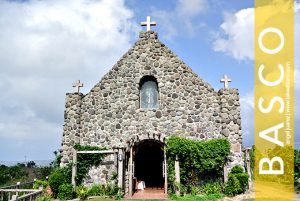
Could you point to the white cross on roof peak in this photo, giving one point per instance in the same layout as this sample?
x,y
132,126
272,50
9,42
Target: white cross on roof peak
x,y
77,85
226,81
148,23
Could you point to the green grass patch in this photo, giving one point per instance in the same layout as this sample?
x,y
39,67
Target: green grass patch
x,y
107,199
101,199
211,197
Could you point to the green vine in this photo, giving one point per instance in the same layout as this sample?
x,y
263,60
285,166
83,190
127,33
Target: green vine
x,y
87,161
200,161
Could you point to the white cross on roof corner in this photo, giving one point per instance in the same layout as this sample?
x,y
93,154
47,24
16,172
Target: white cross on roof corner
x,y
77,85
226,81
148,23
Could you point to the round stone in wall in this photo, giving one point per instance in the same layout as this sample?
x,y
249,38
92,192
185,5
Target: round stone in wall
x,y
226,132
118,126
158,114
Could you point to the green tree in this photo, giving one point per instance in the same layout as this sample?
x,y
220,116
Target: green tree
x,y
31,164
297,169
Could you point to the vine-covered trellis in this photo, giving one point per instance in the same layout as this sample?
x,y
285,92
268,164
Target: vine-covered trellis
x,y
84,157
199,160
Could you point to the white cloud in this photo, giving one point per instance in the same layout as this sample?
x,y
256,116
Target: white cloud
x,y
181,17
236,38
236,35
191,8
45,46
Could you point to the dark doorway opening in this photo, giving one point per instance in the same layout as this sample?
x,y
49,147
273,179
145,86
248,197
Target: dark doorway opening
x,y
148,160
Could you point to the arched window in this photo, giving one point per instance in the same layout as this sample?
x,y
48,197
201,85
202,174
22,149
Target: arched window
x,y
148,92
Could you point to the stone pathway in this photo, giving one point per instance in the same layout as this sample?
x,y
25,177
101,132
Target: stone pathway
x,y
148,194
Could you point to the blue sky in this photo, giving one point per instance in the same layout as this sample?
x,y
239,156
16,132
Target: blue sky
x,y
46,45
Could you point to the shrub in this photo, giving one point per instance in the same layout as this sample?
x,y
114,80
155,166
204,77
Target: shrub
x,y
232,186
96,189
44,198
56,179
183,189
65,192
237,169
108,190
119,195
243,180
195,190
241,176
40,183
211,188
111,190
82,192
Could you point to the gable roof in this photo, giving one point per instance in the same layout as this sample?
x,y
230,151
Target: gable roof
x,y
146,51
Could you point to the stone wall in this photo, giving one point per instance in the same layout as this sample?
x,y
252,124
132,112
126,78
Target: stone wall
x,y
110,114
103,173
71,130
231,124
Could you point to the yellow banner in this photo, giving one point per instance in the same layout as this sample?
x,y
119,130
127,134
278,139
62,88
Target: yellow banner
x,y
274,100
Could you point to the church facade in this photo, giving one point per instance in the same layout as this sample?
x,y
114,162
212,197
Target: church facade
x,y
148,95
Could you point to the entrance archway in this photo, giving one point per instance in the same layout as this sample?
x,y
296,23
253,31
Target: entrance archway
x,y
149,163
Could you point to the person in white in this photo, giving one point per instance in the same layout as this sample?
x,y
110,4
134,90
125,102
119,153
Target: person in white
x,y
141,185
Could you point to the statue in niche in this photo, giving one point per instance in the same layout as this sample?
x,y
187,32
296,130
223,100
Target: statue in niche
x,y
149,95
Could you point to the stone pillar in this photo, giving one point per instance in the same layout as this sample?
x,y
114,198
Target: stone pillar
x,y
74,168
165,172
225,173
71,130
231,124
248,166
177,175
130,169
120,168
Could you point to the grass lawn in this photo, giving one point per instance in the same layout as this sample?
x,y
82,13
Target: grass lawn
x,y
101,199
106,199
213,197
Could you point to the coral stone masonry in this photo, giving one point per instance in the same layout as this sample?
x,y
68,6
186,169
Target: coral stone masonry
x,y
148,95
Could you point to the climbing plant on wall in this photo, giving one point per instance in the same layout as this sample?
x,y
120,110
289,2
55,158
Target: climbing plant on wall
x,y
199,160
86,161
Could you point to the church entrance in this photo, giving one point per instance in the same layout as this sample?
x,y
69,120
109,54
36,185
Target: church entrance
x,y
149,164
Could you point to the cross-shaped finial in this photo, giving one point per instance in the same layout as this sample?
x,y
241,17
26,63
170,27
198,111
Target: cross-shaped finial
x,y
226,81
148,23
77,85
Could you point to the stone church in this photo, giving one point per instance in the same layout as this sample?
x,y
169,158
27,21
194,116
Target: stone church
x,y
148,95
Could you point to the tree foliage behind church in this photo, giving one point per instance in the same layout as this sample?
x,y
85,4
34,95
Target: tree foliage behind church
x,y
200,161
